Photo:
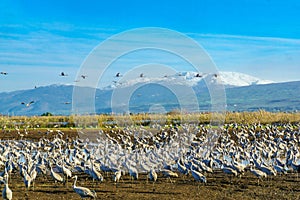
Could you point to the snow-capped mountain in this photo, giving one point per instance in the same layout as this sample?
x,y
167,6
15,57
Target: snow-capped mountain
x,y
57,99
228,79
239,79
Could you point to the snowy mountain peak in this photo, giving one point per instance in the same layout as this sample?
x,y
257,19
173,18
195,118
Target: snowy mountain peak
x,y
236,79
228,79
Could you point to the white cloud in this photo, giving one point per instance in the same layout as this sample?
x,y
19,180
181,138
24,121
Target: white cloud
x,y
44,48
264,57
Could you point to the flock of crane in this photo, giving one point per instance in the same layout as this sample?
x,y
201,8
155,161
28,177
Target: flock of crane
x,y
196,150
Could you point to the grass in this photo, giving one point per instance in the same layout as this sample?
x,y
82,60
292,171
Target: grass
x,y
174,118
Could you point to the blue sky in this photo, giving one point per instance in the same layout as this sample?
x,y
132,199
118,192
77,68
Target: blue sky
x,y
40,39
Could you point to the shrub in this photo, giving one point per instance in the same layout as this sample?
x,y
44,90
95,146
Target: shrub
x,y
47,114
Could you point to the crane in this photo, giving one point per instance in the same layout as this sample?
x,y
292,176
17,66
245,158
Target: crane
x,y
63,74
152,175
56,176
82,191
6,192
117,176
198,176
27,104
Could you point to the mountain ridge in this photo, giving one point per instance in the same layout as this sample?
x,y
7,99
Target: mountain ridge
x,y
57,99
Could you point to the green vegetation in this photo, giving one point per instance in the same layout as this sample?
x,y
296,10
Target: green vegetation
x,y
47,114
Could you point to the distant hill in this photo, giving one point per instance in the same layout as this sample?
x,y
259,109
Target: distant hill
x,y
153,97
270,97
53,98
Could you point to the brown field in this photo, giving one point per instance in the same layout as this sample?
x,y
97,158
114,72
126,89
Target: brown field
x,y
219,185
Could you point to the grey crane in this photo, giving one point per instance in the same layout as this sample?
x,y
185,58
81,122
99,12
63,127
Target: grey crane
x,y
6,192
168,173
198,176
56,176
152,175
258,173
63,74
118,74
82,191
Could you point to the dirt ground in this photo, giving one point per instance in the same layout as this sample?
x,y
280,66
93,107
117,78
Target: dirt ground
x,y
219,185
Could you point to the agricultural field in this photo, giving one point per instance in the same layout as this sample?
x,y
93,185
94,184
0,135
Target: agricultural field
x,y
41,156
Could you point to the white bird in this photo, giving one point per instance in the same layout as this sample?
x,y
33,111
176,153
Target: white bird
x,y
169,173
6,193
204,167
181,168
152,175
268,170
27,104
95,174
56,176
117,176
133,172
258,173
27,180
33,175
67,172
82,191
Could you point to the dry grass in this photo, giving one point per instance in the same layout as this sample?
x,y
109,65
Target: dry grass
x,y
97,121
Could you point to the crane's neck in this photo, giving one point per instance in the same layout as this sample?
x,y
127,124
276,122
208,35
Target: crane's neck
x,y
74,185
6,179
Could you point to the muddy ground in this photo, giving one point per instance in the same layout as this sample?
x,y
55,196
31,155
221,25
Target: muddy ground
x,y
219,185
